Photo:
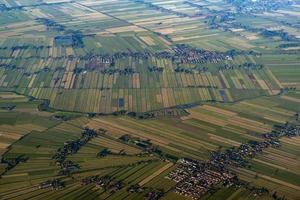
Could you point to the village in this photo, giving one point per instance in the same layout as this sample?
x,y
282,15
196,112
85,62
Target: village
x,y
104,182
180,54
150,99
146,145
71,147
55,184
195,178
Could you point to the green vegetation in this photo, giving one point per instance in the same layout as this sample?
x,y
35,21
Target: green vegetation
x,y
102,99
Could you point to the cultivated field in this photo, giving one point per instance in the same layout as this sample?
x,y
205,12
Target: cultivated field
x,y
107,99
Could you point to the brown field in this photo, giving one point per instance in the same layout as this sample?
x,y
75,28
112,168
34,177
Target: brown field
x,y
148,40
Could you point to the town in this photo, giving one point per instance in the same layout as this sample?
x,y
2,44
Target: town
x,y
195,178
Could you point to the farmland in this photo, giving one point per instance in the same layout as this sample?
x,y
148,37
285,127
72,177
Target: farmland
x,y
149,99
124,60
207,128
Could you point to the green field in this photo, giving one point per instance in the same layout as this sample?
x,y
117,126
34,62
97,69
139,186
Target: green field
x,y
104,99
207,128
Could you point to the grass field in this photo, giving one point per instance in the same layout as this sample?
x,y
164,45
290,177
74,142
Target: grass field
x,y
39,66
207,128
158,81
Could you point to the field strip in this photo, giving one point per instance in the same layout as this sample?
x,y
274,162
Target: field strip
x,y
283,112
181,38
187,120
223,140
278,153
207,118
288,84
177,137
11,96
290,99
270,179
235,194
219,110
270,164
3,145
112,127
281,64
155,174
274,119
269,72
288,163
240,132
14,175
293,141
10,135
249,124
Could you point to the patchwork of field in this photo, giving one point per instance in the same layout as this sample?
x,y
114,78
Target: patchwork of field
x,y
226,125
207,128
27,115
175,20
212,127
107,33
123,27
38,57
141,91
38,148
285,68
235,76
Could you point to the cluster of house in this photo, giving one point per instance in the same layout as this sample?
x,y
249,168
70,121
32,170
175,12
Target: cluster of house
x,y
193,70
196,178
11,162
186,54
180,69
238,156
126,71
25,46
150,193
134,55
55,184
247,66
8,107
181,54
260,6
136,189
146,145
286,130
154,194
177,111
7,66
107,183
112,185
155,69
71,147
51,24
105,62
3,7
98,62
